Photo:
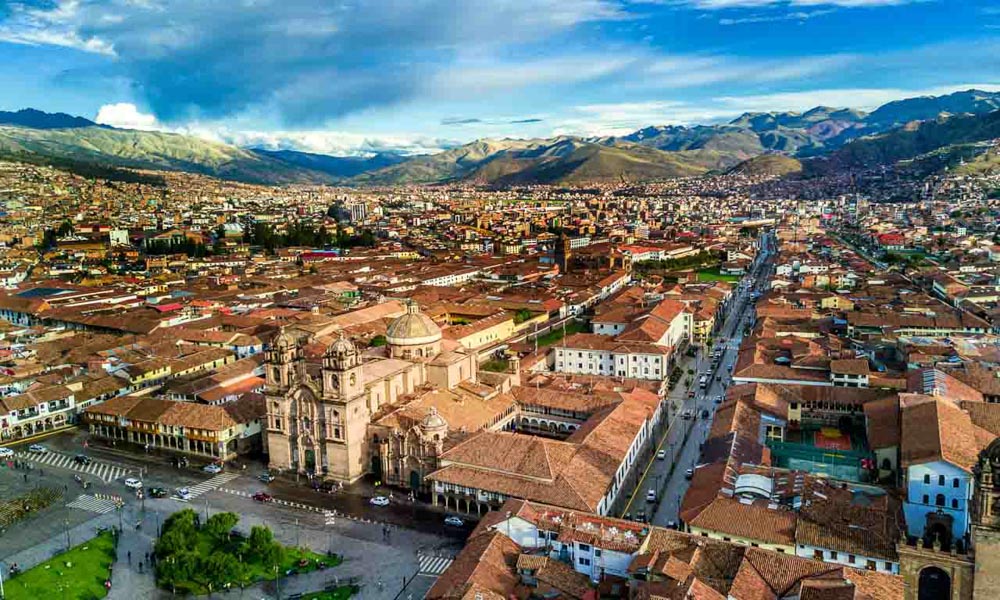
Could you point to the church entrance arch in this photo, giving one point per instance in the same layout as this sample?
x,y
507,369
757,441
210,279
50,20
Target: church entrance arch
x,y
934,584
310,461
376,466
414,481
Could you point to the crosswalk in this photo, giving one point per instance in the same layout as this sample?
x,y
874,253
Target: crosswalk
x,y
329,517
105,471
433,565
93,504
206,486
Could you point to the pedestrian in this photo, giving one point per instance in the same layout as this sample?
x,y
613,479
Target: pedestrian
x,y
129,557
140,566
25,478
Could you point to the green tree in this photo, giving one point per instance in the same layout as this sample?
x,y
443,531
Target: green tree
x,y
378,340
220,568
220,524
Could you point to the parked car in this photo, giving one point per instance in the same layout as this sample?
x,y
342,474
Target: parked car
x,y
379,501
37,449
661,455
704,413
265,477
157,492
650,495
640,516
133,483
262,497
6,452
184,494
454,521
689,474
82,459
671,524
212,468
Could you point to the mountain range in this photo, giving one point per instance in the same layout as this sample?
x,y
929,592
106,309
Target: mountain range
x,y
778,142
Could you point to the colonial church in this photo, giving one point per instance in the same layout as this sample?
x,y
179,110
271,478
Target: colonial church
x,y
338,414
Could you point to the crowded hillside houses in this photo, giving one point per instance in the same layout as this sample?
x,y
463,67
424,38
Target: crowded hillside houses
x,y
519,358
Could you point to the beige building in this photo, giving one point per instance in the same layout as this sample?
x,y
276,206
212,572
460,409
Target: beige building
x,y
323,400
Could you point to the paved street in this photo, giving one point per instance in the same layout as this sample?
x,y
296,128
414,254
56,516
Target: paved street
x,y
682,441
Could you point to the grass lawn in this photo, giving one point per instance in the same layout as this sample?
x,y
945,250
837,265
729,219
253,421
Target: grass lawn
x,y
341,593
83,579
707,275
557,333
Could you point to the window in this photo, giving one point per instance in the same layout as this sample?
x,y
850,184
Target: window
x,y
954,502
818,554
927,499
833,555
584,548
871,565
597,552
939,500
954,482
585,561
927,478
940,479
850,559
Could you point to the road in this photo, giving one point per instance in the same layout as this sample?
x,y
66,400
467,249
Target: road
x,y
681,444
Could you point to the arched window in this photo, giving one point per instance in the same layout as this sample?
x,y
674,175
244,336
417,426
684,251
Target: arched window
x,y
940,479
954,482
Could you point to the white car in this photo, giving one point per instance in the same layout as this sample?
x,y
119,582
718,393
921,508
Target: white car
x,y
184,494
37,449
379,501
133,483
650,495
454,521
661,455
6,452
212,468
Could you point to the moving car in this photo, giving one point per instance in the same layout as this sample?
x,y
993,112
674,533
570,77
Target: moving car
x,y
184,494
454,521
661,455
379,501
717,399
212,468
37,449
262,497
650,495
157,492
704,413
265,477
82,459
133,483
6,453
689,474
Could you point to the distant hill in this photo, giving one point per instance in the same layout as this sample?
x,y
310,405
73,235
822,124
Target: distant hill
x,y
912,141
924,108
37,119
563,160
822,137
335,166
769,164
149,150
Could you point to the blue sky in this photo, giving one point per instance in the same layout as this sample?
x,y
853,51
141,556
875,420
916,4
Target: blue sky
x,y
347,76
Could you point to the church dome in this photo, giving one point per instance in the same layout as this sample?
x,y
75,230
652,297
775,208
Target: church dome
x,y
342,347
433,422
413,328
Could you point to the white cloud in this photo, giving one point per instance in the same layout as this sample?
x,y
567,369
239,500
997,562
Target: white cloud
x,y
735,4
334,143
125,115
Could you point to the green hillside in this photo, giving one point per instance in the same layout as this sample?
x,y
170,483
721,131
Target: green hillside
x,y
150,150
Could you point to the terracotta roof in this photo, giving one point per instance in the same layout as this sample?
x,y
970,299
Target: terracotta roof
x,y
936,429
486,563
752,521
